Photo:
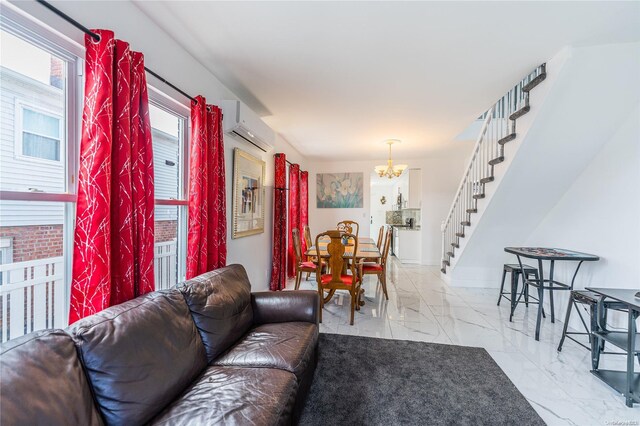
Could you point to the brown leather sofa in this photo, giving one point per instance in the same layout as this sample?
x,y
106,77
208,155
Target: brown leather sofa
x,y
208,352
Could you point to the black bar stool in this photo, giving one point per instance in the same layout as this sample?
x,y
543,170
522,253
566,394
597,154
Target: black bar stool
x,y
589,298
516,271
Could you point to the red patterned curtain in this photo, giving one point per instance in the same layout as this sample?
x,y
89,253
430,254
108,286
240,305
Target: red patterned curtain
x,y
113,241
279,264
217,252
207,235
304,205
294,214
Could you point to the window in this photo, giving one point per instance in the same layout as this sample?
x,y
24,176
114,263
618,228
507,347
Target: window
x,y
38,104
169,135
41,134
40,109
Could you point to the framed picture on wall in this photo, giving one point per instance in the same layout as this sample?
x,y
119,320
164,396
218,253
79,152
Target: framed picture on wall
x,y
248,194
339,190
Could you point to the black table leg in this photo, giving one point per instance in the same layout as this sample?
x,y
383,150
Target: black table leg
x,y
514,290
631,344
566,324
540,297
596,346
553,313
504,274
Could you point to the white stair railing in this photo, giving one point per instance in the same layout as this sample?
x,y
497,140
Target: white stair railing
x,y
498,128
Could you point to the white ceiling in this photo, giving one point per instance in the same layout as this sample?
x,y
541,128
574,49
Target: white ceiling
x,y
338,78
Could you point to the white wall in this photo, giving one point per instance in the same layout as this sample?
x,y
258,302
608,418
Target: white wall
x,y
164,56
255,251
599,214
587,96
322,219
377,209
440,179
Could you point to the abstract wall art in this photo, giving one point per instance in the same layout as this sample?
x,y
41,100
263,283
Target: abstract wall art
x,y
339,190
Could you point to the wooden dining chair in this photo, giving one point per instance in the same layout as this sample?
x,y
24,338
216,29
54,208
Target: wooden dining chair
x,y
378,244
301,265
380,235
337,279
307,239
348,226
306,234
379,268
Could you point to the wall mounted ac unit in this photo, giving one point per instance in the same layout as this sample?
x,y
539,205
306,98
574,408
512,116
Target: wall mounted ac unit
x,y
239,120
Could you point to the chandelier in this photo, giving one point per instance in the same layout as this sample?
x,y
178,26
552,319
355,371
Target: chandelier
x,y
389,170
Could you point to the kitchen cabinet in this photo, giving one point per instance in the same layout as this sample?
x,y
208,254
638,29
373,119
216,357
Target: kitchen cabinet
x,y
413,189
409,245
395,249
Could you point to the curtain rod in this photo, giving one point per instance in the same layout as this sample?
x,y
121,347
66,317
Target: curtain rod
x,y
96,37
289,162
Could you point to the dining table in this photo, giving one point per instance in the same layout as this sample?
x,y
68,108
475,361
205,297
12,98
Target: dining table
x,y
367,249
552,255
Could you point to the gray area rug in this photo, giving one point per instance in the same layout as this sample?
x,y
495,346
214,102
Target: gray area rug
x,y
366,381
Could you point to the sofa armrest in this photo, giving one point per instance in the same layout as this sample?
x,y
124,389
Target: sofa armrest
x,y
285,306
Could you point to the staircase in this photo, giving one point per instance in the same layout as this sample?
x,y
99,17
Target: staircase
x,y
498,129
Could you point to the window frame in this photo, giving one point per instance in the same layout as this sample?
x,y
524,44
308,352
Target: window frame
x,y
35,32
161,100
32,31
20,106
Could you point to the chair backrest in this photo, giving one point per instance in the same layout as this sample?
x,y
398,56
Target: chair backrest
x,y
307,236
337,256
348,227
385,249
380,234
297,245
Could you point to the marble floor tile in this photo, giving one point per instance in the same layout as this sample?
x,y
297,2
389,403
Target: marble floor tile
x,y
475,333
423,307
419,331
435,298
406,308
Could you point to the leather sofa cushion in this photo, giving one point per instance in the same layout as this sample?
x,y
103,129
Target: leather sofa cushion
x,y
140,355
43,382
285,306
287,346
220,303
229,395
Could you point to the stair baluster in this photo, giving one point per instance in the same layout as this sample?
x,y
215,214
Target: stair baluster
x,y
498,128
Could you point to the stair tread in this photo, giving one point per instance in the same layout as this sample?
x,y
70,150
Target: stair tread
x,y
456,245
497,160
472,210
486,180
450,253
478,196
443,270
537,80
519,113
506,139
460,234
446,262
465,223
